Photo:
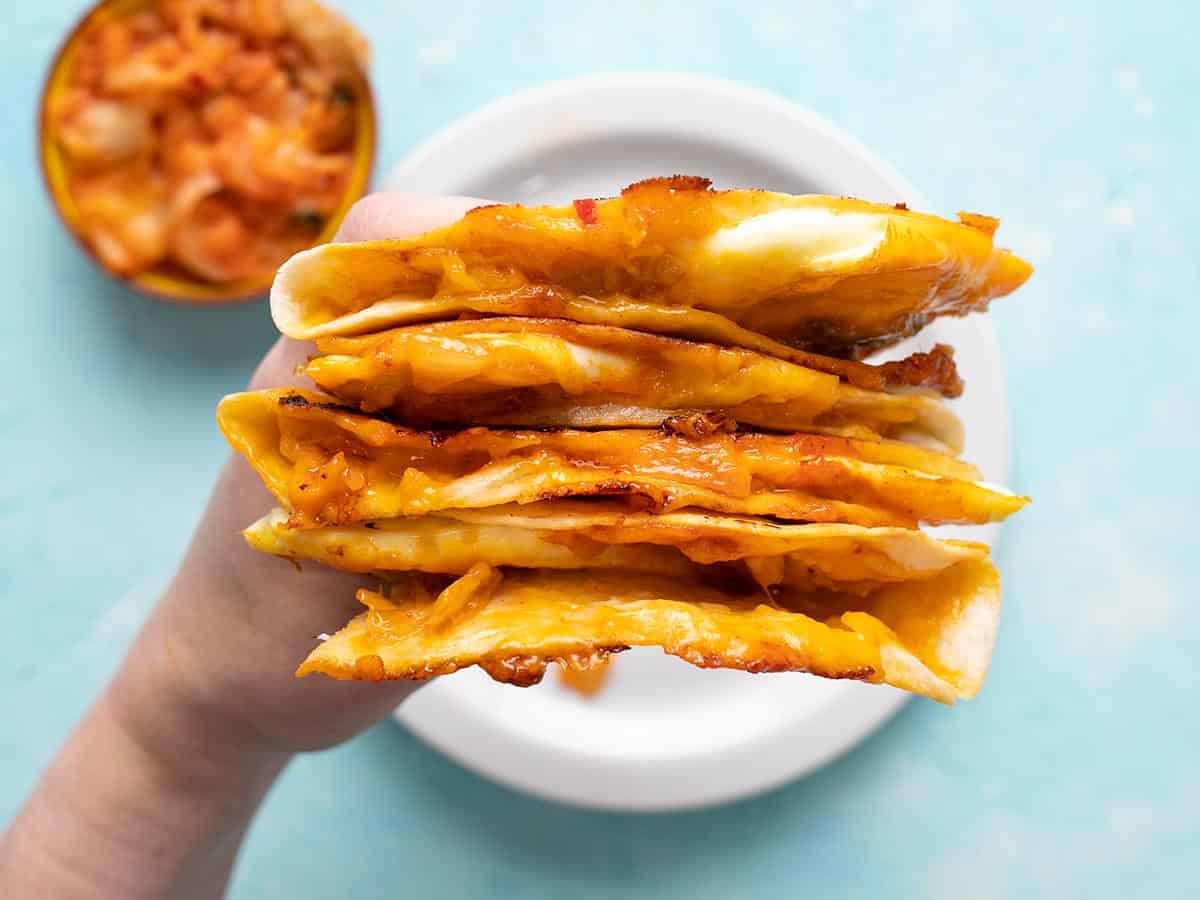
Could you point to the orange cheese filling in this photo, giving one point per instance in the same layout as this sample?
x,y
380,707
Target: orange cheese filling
x,y
521,371
328,465
588,679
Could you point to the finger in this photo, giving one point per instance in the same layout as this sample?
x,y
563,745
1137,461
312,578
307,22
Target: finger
x,y
374,217
391,215
279,367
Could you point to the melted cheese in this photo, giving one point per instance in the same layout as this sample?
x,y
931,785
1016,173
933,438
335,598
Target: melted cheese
x,y
586,678
933,370
518,371
331,466
813,238
576,535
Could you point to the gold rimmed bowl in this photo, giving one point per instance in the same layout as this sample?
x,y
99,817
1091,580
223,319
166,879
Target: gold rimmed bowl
x,y
165,278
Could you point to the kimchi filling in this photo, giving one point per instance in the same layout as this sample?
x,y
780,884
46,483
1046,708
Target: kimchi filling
x,y
209,137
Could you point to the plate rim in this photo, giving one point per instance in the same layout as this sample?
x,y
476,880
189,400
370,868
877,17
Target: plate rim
x,y
447,724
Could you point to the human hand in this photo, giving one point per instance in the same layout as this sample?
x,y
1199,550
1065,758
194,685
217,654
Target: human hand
x,y
151,796
235,623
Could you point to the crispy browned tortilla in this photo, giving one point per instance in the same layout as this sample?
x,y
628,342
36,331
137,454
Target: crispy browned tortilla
x,y
824,274
332,466
932,637
546,372
564,534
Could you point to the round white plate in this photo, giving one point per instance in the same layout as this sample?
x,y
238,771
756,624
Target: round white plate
x,y
662,735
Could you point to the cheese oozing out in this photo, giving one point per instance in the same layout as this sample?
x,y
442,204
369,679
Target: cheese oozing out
x,y
818,237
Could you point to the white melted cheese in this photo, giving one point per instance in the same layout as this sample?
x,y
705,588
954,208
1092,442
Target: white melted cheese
x,y
816,235
598,364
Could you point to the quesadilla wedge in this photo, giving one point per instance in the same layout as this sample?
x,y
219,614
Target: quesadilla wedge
x,y
934,369
830,275
520,371
605,535
332,466
932,637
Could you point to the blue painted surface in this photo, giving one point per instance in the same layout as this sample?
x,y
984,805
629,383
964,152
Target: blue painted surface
x,y
1073,775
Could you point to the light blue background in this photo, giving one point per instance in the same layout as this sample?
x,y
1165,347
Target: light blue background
x,y
1074,774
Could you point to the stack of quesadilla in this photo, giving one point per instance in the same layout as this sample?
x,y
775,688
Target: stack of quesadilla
x,y
551,434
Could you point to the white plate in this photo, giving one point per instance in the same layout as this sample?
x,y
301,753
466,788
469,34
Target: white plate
x,y
663,735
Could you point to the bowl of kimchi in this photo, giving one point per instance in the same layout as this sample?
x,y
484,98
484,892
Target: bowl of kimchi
x,y
191,146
